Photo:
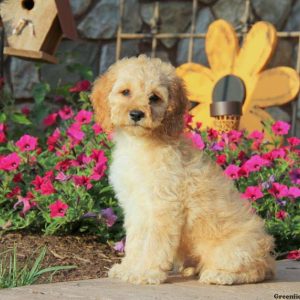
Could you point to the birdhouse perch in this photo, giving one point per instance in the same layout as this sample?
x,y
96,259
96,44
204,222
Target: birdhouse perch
x,y
34,28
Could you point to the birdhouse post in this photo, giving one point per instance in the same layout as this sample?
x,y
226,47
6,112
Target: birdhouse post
x,y
34,28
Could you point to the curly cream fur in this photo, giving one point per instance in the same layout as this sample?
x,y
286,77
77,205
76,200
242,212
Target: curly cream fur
x,y
179,207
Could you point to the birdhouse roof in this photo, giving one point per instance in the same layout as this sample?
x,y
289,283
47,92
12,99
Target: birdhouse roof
x,y
66,19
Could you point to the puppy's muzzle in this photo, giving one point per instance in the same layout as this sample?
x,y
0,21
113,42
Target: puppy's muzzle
x,y
136,115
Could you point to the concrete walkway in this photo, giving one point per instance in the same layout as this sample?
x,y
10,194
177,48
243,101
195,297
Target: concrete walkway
x,y
287,283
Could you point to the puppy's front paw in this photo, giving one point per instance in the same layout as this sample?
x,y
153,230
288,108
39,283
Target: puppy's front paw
x,y
217,277
150,276
119,271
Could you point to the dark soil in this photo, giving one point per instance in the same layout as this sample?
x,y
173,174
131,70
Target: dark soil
x,y
92,258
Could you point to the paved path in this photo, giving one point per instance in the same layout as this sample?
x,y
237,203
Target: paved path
x,y
286,283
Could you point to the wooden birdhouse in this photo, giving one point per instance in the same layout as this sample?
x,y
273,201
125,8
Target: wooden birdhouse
x,y
34,28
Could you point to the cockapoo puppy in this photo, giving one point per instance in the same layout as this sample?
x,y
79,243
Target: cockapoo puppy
x,y
180,210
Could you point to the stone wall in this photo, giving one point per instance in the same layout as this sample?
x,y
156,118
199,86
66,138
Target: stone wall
x,y
97,22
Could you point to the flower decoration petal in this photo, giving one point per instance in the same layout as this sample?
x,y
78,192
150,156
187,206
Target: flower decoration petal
x,y
257,49
221,47
198,80
275,87
253,119
201,114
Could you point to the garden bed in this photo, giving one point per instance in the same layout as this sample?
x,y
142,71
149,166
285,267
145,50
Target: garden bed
x,y
92,258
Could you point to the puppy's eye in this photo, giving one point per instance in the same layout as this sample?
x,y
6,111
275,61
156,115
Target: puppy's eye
x,y
154,99
125,92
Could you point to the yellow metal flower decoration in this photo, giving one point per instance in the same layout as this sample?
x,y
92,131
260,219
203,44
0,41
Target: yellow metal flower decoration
x,y
263,88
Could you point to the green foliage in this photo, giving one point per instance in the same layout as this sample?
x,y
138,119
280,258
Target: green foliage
x,y
13,273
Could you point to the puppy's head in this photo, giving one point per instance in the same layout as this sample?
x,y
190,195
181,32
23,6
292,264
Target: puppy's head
x,y
142,96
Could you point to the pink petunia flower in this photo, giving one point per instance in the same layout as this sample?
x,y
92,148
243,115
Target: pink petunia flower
x,y
80,86
120,246
81,160
82,181
98,171
293,141
278,190
188,119
295,176
2,133
109,216
232,171
27,203
281,215
14,192
212,134
256,135
294,192
99,156
255,163
61,176
84,117
196,139
294,254
58,209
53,139
43,185
63,165
66,113
280,128
243,171
253,193
221,159
27,143
50,119
97,129
75,132
234,136
10,162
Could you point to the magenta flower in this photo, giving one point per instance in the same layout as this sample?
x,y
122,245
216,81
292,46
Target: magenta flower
x,y
84,117
14,192
53,139
43,185
66,113
75,132
25,111
99,156
2,137
81,160
63,165
295,176
58,209
281,214
278,190
61,176
255,163
221,159
188,119
274,154
97,129
10,162
280,128
293,141
82,181
50,119
243,171
80,86
109,216
212,134
98,171
234,136
26,201
253,193
294,192
196,139
256,135
294,254
232,171
27,143
120,246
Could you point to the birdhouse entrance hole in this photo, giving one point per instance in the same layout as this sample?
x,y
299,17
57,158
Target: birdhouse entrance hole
x,y
28,4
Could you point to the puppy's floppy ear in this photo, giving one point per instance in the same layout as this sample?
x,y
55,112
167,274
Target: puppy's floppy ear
x,y
173,122
99,96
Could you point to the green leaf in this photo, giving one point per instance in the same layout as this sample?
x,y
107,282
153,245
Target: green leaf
x,y
20,119
40,91
2,117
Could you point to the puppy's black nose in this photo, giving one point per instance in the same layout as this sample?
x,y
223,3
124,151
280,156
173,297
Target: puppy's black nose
x,y
136,115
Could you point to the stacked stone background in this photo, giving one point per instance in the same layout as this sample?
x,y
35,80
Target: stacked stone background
x,y
97,22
